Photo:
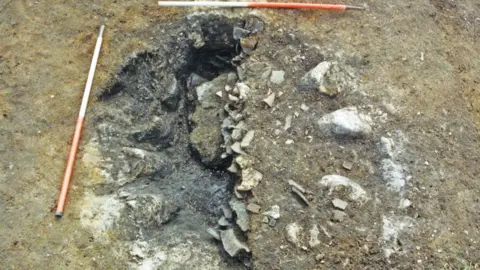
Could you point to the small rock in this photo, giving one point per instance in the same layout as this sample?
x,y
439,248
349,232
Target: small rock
x,y
304,107
332,181
250,179
300,195
277,77
274,212
272,222
239,33
313,80
386,146
232,98
314,232
269,100
277,132
223,222
242,216
243,90
288,122
241,74
404,203
219,94
237,149
214,233
338,215
248,44
231,244
293,229
346,122
237,134
227,212
347,165
243,162
288,142
296,185
254,208
233,168
340,204
265,220
247,139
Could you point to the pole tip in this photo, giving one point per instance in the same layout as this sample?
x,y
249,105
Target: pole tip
x,y
354,8
58,214
102,27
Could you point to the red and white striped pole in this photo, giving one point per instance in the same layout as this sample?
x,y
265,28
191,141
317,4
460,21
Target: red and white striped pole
x,y
257,5
78,128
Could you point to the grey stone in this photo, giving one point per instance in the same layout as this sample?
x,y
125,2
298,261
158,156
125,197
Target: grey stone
x,y
288,122
227,212
206,92
247,139
347,165
277,77
151,210
346,122
313,80
254,208
250,179
338,215
194,80
274,212
214,233
241,211
332,181
272,222
314,232
231,244
269,100
207,136
223,222
340,204
293,230
239,33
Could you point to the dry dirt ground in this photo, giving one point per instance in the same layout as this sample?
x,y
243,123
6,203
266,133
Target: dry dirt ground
x,y
414,66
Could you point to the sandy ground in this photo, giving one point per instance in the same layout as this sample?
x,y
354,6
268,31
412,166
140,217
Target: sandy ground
x,y
45,53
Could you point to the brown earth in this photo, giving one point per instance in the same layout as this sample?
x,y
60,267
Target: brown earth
x,y
45,55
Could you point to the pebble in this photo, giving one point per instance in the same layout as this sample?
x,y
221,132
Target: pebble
x,y
404,203
300,195
247,139
293,229
265,220
250,179
227,212
347,165
346,122
340,204
272,222
214,233
288,142
254,208
274,212
277,77
239,33
304,107
223,222
288,122
243,162
232,98
237,149
242,216
338,215
313,80
357,192
269,100
233,168
296,185
314,232
231,244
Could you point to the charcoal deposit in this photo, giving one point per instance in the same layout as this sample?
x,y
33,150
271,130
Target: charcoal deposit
x,y
164,129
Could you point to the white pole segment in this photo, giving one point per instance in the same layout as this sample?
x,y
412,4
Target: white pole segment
x,y
201,4
88,86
